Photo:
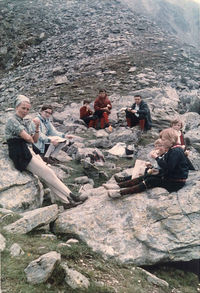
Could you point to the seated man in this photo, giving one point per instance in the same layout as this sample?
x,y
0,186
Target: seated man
x,y
102,107
50,140
86,114
139,113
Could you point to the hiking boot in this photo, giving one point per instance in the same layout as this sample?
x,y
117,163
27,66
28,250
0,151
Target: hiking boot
x,y
114,193
111,186
55,160
77,198
48,160
71,204
121,179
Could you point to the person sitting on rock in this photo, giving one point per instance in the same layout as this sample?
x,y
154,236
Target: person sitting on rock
x,y
139,114
150,169
86,114
174,170
19,137
102,107
50,141
177,126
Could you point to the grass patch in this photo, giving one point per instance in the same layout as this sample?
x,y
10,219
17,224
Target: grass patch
x,y
105,276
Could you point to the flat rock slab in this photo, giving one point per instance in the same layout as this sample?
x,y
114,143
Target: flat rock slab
x,y
144,228
33,219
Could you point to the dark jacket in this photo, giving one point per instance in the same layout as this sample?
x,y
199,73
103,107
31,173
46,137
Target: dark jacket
x,y
19,153
144,113
174,164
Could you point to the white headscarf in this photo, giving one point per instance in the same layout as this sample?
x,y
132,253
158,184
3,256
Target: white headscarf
x,y
19,99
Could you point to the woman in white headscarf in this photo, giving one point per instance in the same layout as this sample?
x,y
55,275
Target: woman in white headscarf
x,y
18,136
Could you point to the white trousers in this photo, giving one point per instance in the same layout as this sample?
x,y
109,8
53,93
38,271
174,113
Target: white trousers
x,y
38,167
54,150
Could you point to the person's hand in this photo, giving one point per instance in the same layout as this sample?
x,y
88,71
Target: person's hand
x,y
36,122
68,136
154,154
148,165
187,153
134,111
153,171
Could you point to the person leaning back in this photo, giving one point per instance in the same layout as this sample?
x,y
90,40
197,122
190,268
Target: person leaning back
x,y
19,137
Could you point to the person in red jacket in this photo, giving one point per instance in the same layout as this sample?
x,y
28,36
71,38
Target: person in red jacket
x,y
102,107
177,125
86,114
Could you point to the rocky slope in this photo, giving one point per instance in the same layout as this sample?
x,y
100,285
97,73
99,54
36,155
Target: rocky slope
x,y
180,17
62,52
67,50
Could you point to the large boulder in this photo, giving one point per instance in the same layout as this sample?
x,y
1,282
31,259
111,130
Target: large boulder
x,y
19,191
143,229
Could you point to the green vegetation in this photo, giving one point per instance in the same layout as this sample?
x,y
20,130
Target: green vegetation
x,y
105,276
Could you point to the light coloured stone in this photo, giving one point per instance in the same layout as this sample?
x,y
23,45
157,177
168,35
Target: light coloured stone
x,y
16,250
33,219
61,79
2,242
130,229
39,270
75,279
19,190
153,279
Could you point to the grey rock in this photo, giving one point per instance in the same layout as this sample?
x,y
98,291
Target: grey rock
x,y
72,241
82,180
58,71
93,153
153,279
62,79
75,279
33,219
2,242
16,250
39,270
191,121
19,190
129,229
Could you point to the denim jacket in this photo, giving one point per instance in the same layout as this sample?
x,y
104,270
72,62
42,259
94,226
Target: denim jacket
x,y
46,129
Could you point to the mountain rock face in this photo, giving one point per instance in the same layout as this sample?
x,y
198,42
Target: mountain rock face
x,y
178,17
66,51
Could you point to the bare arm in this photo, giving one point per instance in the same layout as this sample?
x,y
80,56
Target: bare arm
x,y
27,137
35,136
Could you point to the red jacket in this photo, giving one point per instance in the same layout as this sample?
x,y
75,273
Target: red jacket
x,y
100,103
84,112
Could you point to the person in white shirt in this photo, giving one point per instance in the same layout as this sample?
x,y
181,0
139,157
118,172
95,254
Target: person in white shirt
x,y
139,114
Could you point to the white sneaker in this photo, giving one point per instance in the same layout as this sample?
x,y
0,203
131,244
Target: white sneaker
x,y
111,186
114,193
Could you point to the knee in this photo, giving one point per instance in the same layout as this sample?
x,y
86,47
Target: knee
x,y
128,114
105,114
